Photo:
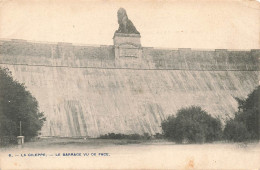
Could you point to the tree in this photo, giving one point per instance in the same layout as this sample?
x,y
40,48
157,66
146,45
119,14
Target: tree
x,y
246,119
236,131
193,125
17,104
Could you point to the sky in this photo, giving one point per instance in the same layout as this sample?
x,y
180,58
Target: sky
x,y
200,24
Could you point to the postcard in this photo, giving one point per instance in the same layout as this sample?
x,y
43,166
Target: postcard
x,y
129,84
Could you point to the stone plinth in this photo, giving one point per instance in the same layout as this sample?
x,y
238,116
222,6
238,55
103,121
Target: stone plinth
x,y
20,140
128,49
120,38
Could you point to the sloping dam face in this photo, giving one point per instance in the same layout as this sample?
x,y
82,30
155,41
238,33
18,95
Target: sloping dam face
x,y
83,92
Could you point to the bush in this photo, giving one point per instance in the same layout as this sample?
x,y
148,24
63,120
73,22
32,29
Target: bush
x,y
236,131
158,136
135,136
7,140
192,125
17,104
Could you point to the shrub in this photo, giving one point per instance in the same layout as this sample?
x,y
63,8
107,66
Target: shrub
x,y
193,125
158,136
134,136
236,131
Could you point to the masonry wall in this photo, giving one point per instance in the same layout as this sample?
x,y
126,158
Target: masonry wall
x,y
83,93
65,54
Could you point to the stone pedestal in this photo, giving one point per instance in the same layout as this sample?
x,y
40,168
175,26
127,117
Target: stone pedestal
x,y
120,38
128,49
20,140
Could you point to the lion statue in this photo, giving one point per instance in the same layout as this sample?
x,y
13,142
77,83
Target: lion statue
x,y
125,25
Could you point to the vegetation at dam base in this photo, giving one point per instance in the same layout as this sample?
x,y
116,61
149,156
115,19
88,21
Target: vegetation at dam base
x,y
135,136
194,125
17,105
245,125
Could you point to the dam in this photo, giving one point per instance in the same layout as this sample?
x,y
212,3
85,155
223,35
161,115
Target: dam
x,y
126,88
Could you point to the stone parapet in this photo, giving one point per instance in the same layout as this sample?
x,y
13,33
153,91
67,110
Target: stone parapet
x,y
125,56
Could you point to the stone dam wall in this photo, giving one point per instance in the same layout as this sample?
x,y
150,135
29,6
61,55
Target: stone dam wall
x,y
83,92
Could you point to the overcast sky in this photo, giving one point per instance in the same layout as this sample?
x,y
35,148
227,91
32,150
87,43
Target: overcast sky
x,y
172,24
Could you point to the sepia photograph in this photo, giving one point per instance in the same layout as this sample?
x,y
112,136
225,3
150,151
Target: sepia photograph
x,y
123,84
